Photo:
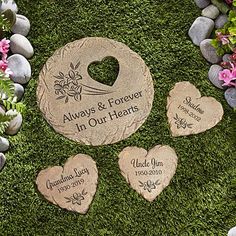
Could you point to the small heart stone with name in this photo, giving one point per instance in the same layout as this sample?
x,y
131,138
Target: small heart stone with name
x,y
148,172
189,113
71,187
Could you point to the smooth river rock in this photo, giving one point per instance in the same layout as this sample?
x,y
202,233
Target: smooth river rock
x,y
22,25
4,144
211,12
202,3
209,52
20,67
201,29
232,232
19,91
21,45
220,21
230,96
8,4
15,123
2,160
213,76
226,57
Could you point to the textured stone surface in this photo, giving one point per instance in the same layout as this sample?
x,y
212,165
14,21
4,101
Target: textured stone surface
x,y
66,92
209,52
4,144
21,45
226,57
148,172
20,67
189,113
201,29
21,26
230,96
80,174
15,123
220,21
19,91
8,4
2,160
213,76
202,3
232,232
211,12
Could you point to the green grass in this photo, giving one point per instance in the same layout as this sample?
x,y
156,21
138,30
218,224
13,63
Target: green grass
x,y
201,199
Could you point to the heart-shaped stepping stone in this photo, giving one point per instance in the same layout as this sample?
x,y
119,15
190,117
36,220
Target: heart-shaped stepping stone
x,y
189,113
148,172
72,187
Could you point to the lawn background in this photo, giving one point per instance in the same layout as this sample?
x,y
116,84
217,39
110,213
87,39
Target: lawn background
x,y
199,200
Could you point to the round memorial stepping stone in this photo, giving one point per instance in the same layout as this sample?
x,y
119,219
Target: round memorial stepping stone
x,y
189,113
85,110
71,187
201,29
148,172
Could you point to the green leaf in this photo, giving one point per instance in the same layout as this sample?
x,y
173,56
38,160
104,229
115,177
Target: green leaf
x,y
6,86
232,31
232,40
220,51
11,103
215,43
4,122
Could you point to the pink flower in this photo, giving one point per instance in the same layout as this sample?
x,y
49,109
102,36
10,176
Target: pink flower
x,y
223,38
229,1
4,46
3,65
227,76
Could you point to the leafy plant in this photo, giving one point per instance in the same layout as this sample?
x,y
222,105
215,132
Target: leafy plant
x,y
5,24
225,41
4,122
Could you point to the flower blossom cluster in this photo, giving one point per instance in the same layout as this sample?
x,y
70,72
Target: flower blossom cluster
x,y
4,49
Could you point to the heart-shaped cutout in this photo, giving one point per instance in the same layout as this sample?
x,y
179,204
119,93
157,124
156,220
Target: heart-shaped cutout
x,y
148,172
71,187
105,71
189,113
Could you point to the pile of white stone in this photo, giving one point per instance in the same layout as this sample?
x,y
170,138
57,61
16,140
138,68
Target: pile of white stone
x,y
212,18
21,50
